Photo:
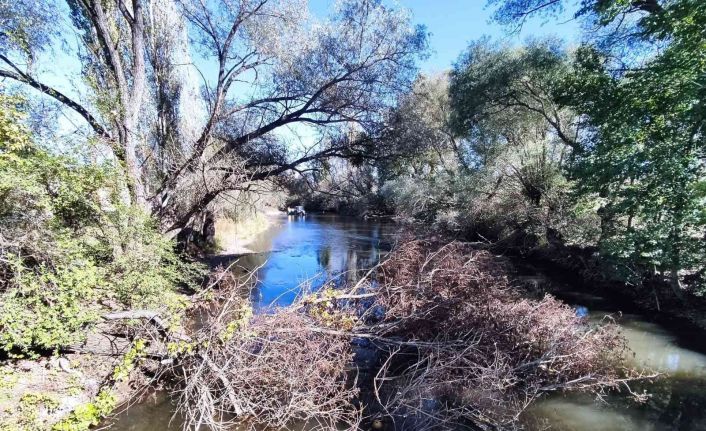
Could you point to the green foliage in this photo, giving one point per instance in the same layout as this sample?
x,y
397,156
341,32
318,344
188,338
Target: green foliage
x,y
90,414
644,157
26,26
69,244
145,266
27,416
639,86
47,308
127,364
8,379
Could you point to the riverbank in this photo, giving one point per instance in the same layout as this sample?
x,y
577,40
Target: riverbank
x,y
584,270
236,237
73,390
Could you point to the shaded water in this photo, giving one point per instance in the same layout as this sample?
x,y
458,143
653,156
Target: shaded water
x,y
317,247
677,400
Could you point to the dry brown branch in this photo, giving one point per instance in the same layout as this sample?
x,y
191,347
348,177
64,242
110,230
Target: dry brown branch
x,y
461,346
457,347
271,370
485,352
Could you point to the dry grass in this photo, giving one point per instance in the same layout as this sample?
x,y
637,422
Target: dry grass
x,y
232,236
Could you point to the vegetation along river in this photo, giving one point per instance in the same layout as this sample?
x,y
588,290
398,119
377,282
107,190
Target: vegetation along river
x,y
315,248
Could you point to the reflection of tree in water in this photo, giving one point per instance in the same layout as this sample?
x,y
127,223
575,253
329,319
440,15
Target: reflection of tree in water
x,y
316,249
324,257
352,265
355,250
675,403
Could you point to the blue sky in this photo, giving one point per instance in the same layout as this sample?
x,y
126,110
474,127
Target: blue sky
x,y
452,24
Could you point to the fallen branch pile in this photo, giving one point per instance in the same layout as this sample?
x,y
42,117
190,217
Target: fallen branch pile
x,y
483,351
457,347
267,370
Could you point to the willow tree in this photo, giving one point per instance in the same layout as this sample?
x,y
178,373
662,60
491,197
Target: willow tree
x,y
266,66
520,140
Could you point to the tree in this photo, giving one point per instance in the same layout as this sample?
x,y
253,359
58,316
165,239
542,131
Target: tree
x,y
642,149
516,12
275,67
519,139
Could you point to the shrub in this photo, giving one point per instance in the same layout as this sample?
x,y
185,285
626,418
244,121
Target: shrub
x,y
69,249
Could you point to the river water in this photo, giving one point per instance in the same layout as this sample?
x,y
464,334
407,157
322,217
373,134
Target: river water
x,y
315,248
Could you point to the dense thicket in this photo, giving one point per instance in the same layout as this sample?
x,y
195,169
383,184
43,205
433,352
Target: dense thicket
x,y
70,250
479,350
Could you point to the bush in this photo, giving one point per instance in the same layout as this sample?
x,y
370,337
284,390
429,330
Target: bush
x,y
69,249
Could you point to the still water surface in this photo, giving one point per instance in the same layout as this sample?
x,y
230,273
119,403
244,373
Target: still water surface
x,y
318,247
307,251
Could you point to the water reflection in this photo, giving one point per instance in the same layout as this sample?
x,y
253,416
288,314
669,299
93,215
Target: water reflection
x,y
311,250
657,349
581,413
292,251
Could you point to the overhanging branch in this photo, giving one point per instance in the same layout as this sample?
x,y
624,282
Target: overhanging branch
x,y
20,76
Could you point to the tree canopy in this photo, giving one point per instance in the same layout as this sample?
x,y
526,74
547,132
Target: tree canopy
x,y
267,65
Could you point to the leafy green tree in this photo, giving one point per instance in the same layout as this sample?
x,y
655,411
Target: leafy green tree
x,y
518,138
645,151
69,249
639,86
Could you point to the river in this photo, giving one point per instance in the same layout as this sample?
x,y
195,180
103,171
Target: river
x,y
315,248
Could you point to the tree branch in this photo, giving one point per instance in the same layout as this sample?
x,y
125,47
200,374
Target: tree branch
x,y
57,95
